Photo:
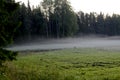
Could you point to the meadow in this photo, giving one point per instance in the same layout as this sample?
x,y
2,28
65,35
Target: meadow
x,y
66,64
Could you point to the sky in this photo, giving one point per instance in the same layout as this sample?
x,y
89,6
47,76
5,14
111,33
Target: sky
x,y
105,6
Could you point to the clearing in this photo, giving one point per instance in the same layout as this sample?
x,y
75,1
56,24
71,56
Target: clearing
x,y
67,64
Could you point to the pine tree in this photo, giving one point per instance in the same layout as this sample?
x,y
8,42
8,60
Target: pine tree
x,y
7,28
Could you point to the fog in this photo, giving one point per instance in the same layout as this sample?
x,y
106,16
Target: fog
x,y
101,42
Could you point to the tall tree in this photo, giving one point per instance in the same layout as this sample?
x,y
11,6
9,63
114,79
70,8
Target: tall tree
x,y
66,19
7,28
81,22
28,21
92,22
39,22
21,16
47,7
62,20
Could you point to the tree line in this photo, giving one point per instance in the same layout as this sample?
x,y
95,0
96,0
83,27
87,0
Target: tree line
x,y
56,18
50,19
99,23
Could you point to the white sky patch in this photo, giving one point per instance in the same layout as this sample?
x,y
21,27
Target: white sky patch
x,y
105,6
32,2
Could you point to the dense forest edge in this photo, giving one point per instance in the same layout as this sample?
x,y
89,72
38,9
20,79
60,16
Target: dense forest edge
x,y
57,19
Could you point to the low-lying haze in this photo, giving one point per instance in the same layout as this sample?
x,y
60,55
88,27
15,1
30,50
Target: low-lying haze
x,y
81,42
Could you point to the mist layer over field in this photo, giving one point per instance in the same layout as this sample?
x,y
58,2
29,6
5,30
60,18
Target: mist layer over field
x,y
76,42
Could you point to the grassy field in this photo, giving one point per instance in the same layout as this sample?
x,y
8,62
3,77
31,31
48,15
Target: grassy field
x,y
68,64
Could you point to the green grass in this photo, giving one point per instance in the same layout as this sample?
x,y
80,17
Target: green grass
x,y
68,64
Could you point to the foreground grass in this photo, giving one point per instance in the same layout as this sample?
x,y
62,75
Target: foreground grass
x,y
69,64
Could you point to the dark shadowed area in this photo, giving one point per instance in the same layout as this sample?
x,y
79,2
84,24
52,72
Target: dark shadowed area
x,y
75,42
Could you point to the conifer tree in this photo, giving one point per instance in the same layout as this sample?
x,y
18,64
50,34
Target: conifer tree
x,y
7,28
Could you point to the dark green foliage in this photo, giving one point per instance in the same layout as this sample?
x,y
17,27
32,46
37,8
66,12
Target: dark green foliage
x,y
7,28
54,19
99,23
65,20
7,55
38,26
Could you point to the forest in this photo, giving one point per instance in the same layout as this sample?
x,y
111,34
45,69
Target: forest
x,y
57,19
